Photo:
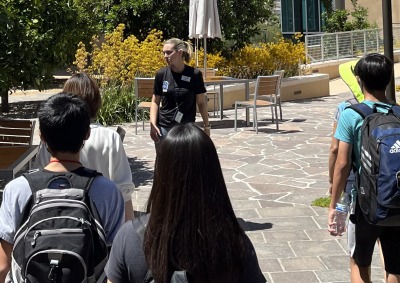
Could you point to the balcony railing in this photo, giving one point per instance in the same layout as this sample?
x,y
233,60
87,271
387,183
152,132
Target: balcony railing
x,y
339,45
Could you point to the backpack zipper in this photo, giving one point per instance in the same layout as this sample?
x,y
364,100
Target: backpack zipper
x,y
53,193
23,235
58,202
57,251
55,232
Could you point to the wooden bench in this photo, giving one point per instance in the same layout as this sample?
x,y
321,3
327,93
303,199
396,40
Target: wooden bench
x,y
16,149
16,132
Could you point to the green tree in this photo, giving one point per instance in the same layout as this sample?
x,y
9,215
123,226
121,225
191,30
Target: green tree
x,y
238,18
339,20
37,36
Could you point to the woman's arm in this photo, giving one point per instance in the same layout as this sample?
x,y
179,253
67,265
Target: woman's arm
x,y
333,151
154,130
201,104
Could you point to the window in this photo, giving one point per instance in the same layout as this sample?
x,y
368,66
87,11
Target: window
x,y
287,16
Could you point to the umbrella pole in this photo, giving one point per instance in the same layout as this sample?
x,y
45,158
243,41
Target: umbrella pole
x,y
205,57
197,52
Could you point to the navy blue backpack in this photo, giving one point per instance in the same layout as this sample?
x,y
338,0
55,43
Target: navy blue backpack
x,y
378,183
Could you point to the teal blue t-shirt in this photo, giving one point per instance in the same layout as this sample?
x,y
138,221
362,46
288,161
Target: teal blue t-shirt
x,y
349,126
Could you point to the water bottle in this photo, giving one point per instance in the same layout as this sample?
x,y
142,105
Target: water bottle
x,y
341,213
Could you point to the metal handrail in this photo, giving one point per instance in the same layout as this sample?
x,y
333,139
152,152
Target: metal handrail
x,y
334,46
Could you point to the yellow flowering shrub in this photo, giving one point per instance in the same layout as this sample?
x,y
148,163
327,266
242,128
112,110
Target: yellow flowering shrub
x,y
252,61
118,60
214,60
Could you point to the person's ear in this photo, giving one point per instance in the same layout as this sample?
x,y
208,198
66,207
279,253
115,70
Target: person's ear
x,y
359,82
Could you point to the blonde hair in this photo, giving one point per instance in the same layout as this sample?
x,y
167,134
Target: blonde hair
x,y
185,46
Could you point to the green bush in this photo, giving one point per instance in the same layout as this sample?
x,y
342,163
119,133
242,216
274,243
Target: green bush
x,y
118,105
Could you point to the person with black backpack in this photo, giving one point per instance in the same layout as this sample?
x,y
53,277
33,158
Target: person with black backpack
x,y
57,223
368,134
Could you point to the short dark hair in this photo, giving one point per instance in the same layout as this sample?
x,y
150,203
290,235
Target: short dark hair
x,y
375,71
64,122
84,86
192,225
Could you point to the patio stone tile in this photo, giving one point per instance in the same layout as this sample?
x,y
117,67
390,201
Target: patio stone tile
x,y
247,213
256,237
316,248
272,236
302,263
270,265
333,275
286,212
271,251
303,276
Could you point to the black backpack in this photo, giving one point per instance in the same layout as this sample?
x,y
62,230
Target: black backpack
x,y
139,225
61,238
378,183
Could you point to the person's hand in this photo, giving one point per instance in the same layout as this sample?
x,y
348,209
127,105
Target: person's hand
x,y
331,222
155,133
207,130
330,189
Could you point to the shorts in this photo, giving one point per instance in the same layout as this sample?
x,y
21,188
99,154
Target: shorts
x,y
362,238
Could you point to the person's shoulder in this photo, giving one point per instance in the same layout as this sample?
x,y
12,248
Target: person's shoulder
x,y
342,105
18,186
101,130
133,231
162,71
103,182
194,71
104,187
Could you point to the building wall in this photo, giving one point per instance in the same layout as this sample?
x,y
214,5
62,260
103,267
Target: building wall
x,y
375,10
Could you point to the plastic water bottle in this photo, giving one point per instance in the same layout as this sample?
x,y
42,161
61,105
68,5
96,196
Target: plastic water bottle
x,y
341,213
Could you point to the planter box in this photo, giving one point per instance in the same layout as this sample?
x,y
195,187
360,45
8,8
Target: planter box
x,y
305,87
293,88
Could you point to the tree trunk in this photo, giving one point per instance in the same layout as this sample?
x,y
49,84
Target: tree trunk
x,y
5,107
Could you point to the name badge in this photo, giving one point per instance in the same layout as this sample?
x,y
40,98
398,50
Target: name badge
x,y
178,116
185,78
165,86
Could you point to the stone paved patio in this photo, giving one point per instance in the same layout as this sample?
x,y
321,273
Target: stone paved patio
x,y
272,177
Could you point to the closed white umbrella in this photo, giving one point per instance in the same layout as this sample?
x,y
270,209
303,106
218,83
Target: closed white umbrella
x,y
204,22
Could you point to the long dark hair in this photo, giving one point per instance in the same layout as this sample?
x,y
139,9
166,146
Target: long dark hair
x,y
192,225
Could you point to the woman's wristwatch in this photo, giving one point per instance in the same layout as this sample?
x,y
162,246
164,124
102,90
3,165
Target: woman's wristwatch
x,y
207,127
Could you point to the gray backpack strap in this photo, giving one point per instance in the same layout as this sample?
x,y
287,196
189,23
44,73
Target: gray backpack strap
x,y
179,277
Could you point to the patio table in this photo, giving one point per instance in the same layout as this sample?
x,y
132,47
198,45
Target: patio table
x,y
222,81
13,158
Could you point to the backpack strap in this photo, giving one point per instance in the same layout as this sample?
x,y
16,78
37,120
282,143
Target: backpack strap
x,y
362,109
396,110
80,178
139,225
352,101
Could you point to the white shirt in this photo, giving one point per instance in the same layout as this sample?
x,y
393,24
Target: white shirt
x,y
104,152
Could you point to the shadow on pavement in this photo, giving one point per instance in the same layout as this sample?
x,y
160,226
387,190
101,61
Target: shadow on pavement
x,y
142,172
22,110
252,226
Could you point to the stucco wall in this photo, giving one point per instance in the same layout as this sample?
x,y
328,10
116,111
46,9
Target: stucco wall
x,y
375,10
